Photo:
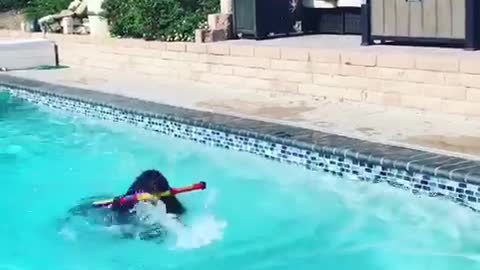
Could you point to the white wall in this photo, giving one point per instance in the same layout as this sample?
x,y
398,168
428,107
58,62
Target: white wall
x,y
24,54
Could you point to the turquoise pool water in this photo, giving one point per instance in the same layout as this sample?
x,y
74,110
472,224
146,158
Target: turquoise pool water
x,y
256,214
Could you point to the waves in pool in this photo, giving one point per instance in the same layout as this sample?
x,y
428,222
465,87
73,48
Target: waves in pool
x,y
147,222
255,213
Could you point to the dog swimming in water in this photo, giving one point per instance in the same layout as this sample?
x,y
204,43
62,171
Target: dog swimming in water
x,y
120,212
152,182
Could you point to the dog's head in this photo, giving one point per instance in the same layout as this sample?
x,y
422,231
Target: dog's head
x,y
151,181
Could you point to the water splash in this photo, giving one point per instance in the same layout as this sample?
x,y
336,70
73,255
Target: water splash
x,y
211,198
203,229
68,234
402,217
150,222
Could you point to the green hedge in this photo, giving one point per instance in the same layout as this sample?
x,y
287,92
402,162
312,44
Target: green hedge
x,y
167,20
7,5
35,9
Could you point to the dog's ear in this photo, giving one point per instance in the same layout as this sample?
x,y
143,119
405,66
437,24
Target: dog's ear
x,y
173,205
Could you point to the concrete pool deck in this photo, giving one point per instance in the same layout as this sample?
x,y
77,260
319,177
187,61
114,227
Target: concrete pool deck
x,y
420,172
431,131
423,98
404,117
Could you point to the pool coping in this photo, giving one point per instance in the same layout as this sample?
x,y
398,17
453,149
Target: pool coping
x,y
387,156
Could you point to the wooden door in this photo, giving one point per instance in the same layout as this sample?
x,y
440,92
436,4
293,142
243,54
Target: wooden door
x,y
418,18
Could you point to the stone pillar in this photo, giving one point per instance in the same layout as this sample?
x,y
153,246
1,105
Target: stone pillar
x,y
67,25
98,24
23,26
226,6
200,35
219,24
221,21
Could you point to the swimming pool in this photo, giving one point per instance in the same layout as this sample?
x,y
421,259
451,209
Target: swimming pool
x,y
256,213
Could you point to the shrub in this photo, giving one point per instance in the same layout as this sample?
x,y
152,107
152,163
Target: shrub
x,y
35,9
7,5
167,20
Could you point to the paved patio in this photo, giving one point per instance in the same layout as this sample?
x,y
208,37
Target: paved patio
x,y
438,132
337,42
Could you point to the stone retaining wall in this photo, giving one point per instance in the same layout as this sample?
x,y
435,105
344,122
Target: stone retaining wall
x,y
442,80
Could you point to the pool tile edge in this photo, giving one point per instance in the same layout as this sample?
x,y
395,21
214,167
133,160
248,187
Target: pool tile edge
x,y
419,171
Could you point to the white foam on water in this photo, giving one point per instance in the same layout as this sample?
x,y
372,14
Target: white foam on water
x,y
413,224
211,198
204,228
68,234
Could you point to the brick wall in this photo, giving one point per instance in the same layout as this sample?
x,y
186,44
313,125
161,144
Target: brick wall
x,y
435,80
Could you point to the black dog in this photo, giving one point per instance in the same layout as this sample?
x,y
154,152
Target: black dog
x,y
150,181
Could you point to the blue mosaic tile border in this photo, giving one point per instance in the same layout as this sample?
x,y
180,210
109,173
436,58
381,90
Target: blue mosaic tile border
x,y
466,194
